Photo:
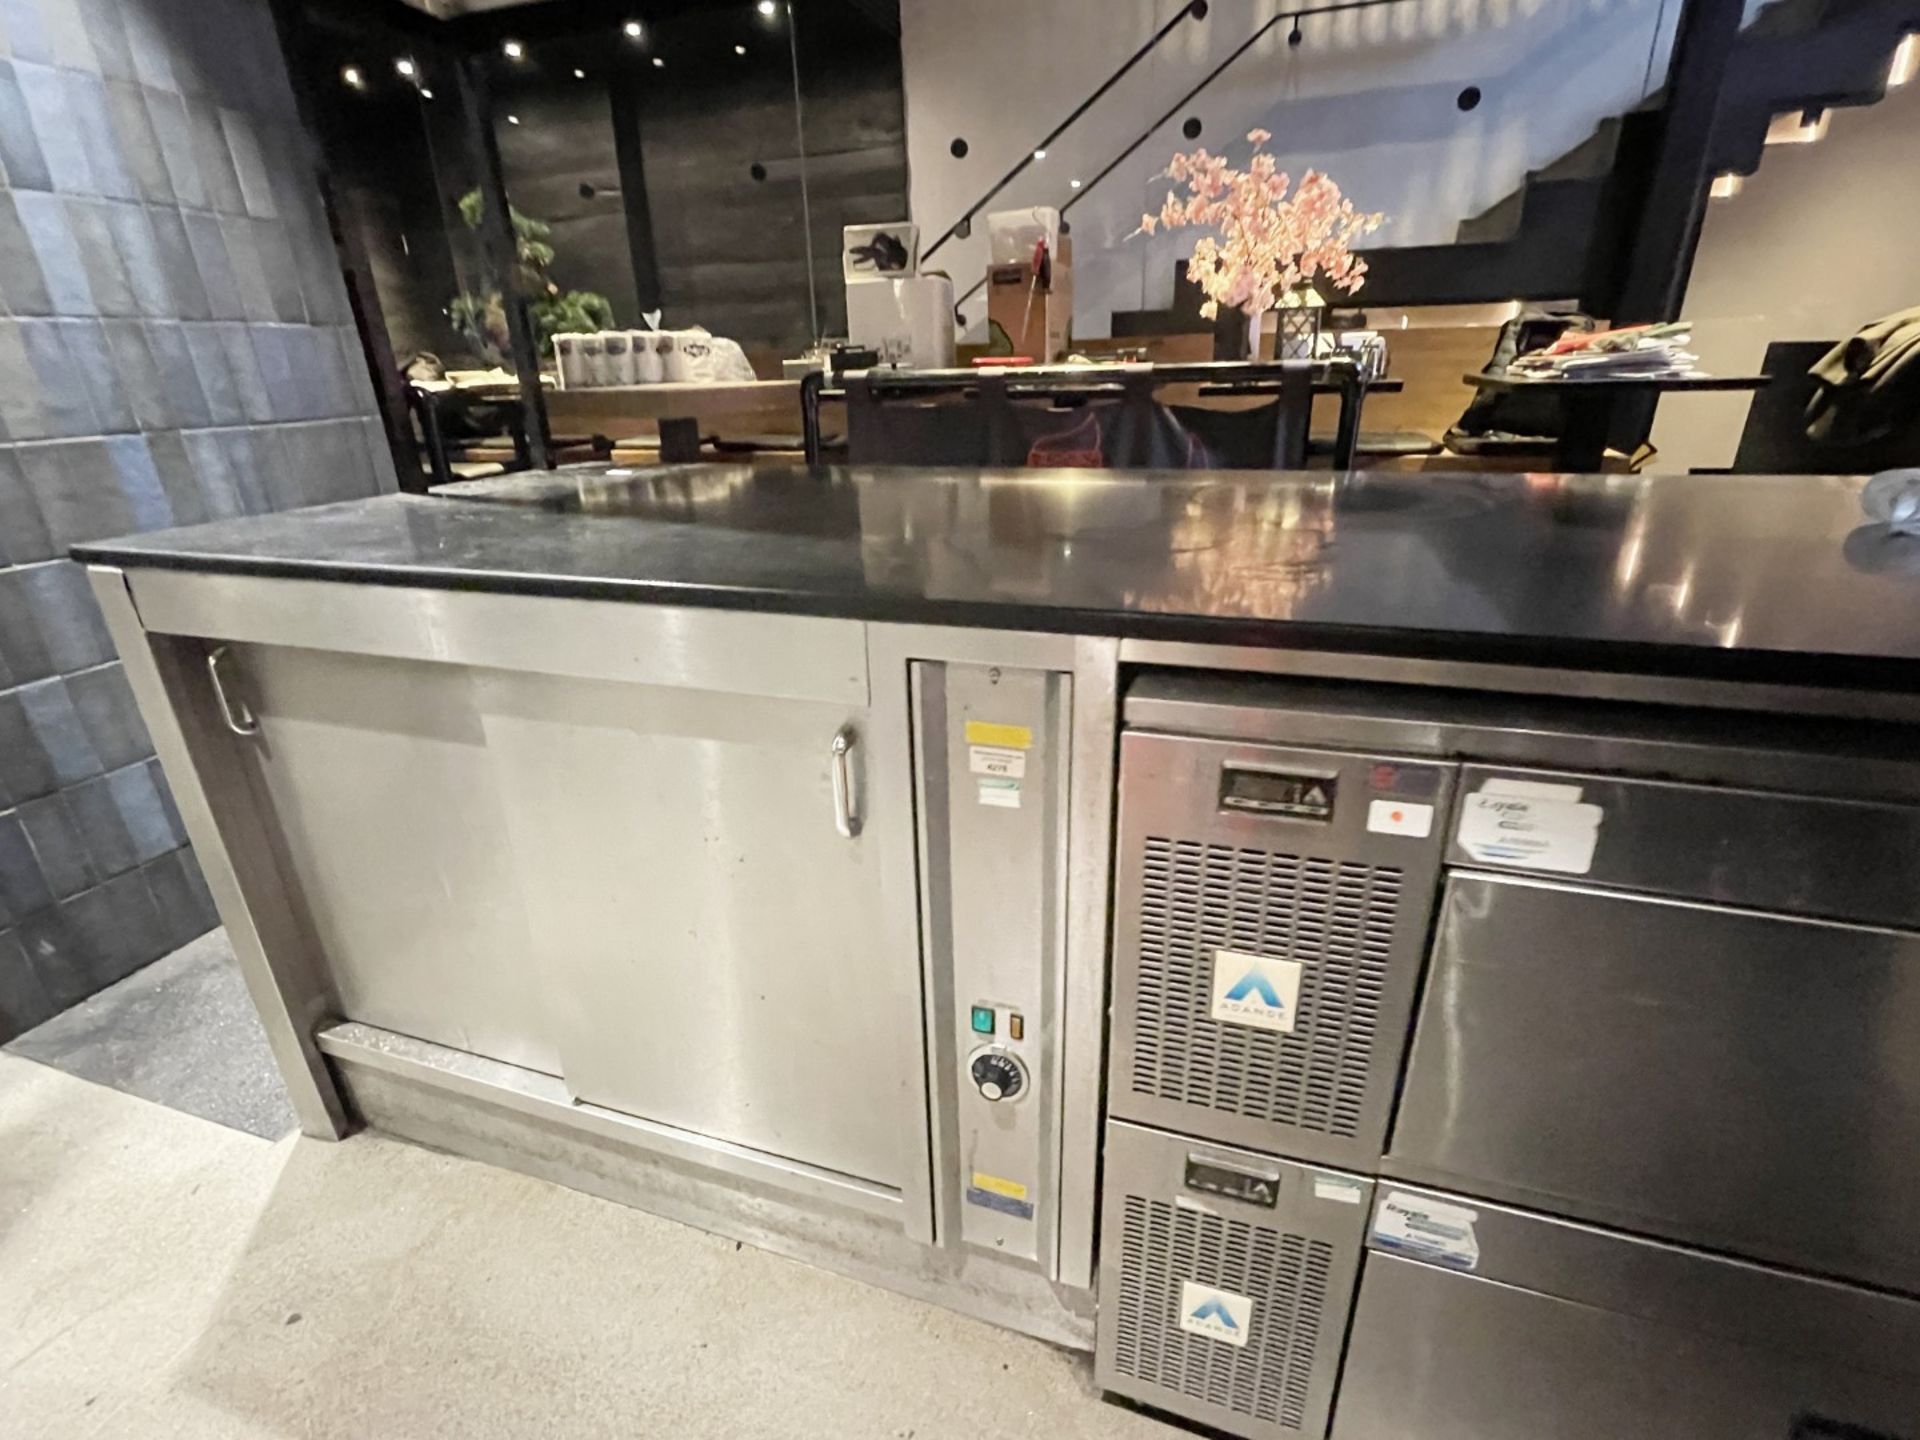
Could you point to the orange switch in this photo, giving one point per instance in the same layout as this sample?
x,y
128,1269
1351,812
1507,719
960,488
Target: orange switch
x,y
1016,1028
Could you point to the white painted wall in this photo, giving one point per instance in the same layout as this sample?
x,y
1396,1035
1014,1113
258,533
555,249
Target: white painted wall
x,y
1369,96
1816,244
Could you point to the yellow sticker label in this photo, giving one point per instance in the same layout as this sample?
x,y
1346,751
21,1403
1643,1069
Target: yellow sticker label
x,y
1009,737
994,1185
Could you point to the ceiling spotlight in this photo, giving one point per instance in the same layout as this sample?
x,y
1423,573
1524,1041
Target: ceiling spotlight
x,y
739,49
1073,184
513,49
579,74
513,119
658,63
425,93
404,66
1039,154
633,30
1906,61
766,8
351,74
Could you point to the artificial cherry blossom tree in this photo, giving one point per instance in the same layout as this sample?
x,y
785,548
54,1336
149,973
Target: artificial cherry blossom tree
x,y
1269,242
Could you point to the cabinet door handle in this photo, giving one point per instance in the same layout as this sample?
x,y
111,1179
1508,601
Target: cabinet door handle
x,y
240,720
845,819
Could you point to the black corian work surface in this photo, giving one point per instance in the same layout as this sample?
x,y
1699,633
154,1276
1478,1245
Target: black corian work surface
x,y
1756,576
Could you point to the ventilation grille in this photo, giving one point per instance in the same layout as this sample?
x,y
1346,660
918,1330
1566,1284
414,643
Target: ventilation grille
x,y
1286,1276
1335,917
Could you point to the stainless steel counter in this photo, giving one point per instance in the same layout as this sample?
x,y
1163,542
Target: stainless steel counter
x,y
741,844
1774,577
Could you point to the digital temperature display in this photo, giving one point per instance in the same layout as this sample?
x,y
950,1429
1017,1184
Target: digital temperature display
x,y
1272,792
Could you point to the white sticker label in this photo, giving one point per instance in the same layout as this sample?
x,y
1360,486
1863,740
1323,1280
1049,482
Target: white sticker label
x,y
1530,789
1398,817
997,760
1253,990
1537,834
1347,1192
1423,1229
1218,1314
1002,794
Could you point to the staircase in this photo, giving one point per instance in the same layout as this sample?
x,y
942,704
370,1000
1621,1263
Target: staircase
x,y
1553,236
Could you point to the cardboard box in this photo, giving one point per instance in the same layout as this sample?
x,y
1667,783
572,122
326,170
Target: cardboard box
x,y
1037,321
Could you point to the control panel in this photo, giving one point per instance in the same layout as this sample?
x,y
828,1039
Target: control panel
x,y
994,787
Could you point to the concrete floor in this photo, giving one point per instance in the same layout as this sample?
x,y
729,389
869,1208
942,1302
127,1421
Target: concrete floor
x,y
182,1032
161,1275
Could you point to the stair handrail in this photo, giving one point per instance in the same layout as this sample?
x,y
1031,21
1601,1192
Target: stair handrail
x,y
1294,15
1193,10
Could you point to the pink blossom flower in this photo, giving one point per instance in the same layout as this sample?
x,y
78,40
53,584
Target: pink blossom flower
x,y
1267,243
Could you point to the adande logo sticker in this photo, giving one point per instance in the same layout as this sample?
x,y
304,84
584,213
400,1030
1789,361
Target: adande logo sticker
x,y
1253,990
1217,1314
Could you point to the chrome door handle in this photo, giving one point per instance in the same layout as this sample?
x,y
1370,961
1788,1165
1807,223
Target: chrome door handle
x,y
844,818
240,720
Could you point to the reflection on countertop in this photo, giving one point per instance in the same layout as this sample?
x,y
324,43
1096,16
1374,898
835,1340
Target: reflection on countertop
x,y
1416,563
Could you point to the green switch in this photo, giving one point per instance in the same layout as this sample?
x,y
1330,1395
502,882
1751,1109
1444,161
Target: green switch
x,y
983,1019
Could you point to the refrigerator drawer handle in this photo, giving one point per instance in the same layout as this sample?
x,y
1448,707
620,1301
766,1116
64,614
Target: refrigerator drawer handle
x,y
845,820
240,720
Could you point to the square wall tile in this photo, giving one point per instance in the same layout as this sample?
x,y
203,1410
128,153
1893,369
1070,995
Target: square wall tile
x,y
139,145
56,731
180,894
26,770
57,123
93,356
23,534
63,609
24,1001
20,153
77,491
57,847
23,888
104,701
23,289
63,269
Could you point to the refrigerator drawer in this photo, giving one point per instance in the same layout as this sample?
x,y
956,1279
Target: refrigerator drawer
x,y
1563,1332
1225,1281
1744,1081
1272,907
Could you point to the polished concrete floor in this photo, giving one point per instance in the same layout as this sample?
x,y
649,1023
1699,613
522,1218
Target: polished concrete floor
x,y
162,1275
181,1032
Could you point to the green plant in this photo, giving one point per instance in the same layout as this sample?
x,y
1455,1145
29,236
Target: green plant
x,y
482,318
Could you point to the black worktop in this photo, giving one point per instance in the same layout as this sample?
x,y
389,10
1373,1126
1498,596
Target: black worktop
x,y
1774,576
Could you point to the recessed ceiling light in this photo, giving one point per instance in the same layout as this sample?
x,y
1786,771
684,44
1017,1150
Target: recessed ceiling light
x,y
513,49
739,49
767,7
632,27
425,93
351,74
513,119
1906,61
579,74
404,66
1039,154
1073,184
658,63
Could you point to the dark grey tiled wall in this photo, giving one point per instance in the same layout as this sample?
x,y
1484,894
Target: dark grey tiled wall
x,y
175,346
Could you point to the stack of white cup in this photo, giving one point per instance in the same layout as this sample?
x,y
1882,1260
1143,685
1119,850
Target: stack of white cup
x,y
599,359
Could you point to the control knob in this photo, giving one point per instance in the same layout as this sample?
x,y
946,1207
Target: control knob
x,y
998,1074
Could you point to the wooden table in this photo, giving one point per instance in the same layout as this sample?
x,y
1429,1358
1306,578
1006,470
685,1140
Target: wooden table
x,y
1589,407
677,407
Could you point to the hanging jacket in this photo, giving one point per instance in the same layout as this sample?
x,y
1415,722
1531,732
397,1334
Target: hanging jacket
x,y
1868,388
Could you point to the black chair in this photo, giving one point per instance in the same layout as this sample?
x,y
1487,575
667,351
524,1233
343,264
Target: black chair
x,y
1774,440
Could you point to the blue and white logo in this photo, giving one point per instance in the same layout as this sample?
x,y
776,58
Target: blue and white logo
x,y
1256,991
1217,1314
